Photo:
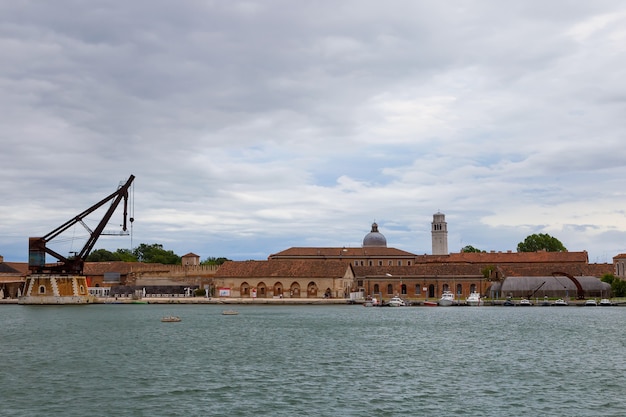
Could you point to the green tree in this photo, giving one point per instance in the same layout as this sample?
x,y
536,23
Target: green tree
x,y
155,253
102,255
471,249
541,241
214,261
618,286
126,255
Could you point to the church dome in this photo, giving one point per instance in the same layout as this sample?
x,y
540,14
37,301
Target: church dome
x,y
374,238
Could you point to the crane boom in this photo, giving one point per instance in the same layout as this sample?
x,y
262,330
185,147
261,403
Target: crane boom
x,y
37,248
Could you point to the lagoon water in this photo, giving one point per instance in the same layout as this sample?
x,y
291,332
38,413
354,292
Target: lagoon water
x,y
120,360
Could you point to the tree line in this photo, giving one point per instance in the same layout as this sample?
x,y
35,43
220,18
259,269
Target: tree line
x,y
532,243
153,253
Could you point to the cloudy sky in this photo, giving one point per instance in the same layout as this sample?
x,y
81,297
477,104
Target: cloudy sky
x,y
254,126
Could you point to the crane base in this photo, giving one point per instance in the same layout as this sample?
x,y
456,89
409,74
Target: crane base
x,y
56,289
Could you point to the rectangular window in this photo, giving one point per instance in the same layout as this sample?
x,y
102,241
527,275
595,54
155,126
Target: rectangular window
x,y
390,263
399,263
380,263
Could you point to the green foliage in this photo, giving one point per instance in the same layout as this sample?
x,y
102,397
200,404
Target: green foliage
x,y
618,286
200,292
541,241
126,255
103,255
486,271
155,254
471,249
214,261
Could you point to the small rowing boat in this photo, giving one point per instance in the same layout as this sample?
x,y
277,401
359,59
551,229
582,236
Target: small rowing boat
x,y
170,319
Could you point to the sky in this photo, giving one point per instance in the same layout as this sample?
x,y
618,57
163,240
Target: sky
x,y
255,126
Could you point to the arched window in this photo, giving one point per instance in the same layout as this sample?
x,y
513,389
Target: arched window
x,y
417,289
42,289
459,289
376,288
403,289
389,289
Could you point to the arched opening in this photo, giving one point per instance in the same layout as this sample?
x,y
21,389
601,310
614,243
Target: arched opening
x,y
42,289
446,287
389,289
403,289
261,290
244,290
472,288
376,288
294,290
459,289
278,290
431,290
311,290
328,293
81,289
418,290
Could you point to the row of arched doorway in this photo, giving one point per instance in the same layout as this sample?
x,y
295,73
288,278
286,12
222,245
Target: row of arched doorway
x,y
295,290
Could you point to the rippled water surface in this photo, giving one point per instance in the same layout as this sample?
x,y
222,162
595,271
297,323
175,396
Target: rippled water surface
x,y
120,360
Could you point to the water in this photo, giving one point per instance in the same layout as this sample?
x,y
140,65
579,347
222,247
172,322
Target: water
x,y
105,360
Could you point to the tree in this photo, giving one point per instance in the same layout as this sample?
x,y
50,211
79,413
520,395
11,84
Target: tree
x,y
156,254
102,255
618,286
214,261
471,249
541,241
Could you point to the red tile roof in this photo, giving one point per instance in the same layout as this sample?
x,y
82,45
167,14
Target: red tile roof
x,y
313,252
287,268
505,257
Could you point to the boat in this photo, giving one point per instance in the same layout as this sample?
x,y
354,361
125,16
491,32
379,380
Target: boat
x,y
591,303
230,312
473,299
525,302
605,302
508,303
170,319
396,302
430,303
371,302
447,299
560,303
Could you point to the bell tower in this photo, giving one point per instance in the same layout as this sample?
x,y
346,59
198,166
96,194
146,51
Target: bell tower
x,y
439,232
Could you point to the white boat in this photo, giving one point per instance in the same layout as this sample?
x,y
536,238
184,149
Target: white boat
x,y
396,302
473,299
560,303
373,302
525,302
447,299
170,319
230,312
605,302
591,303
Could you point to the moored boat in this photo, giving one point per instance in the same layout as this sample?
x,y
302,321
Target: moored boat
x,y
591,303
371,302
560,303
473,299
396,302
447,299
430,303
605,302
525,302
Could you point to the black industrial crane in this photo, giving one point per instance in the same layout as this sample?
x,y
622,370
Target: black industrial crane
x,y
37,248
